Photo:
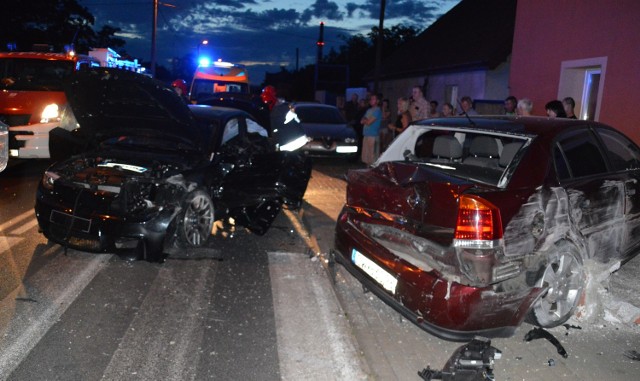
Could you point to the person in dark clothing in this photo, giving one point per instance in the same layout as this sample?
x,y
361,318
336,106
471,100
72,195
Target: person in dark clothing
x,y
351,110
555,109
569,104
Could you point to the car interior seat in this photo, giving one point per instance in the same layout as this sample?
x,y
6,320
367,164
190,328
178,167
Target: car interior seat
x,y
446,148
484,151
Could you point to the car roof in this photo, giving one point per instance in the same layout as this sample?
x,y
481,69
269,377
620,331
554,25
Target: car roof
x,y
528,125
311,104
217,111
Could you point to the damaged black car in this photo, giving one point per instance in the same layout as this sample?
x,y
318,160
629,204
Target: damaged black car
x,y
140,172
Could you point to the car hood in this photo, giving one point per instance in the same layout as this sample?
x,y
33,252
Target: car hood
x,y
108,103
315,130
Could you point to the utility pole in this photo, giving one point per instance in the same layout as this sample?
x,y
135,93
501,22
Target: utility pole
x,y
376,78
320,45
153,38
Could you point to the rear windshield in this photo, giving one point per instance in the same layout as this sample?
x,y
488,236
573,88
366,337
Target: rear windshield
x,y
34,74
481,156
203,88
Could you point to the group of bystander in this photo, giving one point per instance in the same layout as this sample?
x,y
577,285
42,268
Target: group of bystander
x,y
371,114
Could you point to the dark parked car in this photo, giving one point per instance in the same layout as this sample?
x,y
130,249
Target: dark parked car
x,y
469,226
148,172
327,131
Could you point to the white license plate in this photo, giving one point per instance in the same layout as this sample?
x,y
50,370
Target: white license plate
x,y
380,275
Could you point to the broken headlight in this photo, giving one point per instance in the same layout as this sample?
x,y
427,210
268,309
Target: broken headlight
x,y
48,179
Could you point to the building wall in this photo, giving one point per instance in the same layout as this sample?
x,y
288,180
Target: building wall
x,y
478,84
553,36
396,88
455,85
497,83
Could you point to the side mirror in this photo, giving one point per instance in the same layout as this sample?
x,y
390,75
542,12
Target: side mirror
x,y
4,146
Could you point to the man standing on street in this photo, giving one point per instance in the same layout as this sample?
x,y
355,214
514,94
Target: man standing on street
x,y
420,107
371,131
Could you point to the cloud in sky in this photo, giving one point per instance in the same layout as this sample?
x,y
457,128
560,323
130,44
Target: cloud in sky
x,y
265,33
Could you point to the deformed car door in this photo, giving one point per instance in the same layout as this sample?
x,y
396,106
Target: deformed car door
x,y
259,178
596,196
624,159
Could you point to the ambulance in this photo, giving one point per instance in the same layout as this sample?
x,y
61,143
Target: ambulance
x,y
218,77
32,99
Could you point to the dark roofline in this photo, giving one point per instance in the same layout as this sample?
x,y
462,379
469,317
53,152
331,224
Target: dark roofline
x,y
473,35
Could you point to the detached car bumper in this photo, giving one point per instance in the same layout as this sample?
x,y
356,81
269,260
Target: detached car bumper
x,y
30,141
446,309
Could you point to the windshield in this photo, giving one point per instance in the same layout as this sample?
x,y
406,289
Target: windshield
x,y
481,156
34,74
324,115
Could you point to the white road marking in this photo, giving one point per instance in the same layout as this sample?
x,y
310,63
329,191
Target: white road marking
x,y
16,220
314,339
54,288
25,227
152,345
7,242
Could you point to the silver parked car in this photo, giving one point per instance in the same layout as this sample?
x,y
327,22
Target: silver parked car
x,y
327,131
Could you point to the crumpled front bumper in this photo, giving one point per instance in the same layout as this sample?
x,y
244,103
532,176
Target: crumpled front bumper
x,y
100,232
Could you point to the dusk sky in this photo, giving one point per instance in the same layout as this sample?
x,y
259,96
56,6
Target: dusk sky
x,y
263,34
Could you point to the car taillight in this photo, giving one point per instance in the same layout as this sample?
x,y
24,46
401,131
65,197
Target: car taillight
x,y
478,220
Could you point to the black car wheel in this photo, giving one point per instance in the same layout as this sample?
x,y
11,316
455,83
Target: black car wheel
x,y
196,220
563,277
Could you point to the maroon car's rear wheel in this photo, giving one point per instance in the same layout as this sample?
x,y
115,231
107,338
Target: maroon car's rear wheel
x,y
563,278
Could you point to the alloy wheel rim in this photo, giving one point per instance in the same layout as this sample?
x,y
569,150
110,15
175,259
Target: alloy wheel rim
x,y
198,220
563,280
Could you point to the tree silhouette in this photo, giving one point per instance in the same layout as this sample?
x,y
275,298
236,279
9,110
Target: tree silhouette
x,y
56,23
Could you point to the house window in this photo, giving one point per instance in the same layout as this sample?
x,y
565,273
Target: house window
x,y
583,80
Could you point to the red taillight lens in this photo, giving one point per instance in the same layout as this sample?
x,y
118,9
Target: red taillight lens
x,y
478,219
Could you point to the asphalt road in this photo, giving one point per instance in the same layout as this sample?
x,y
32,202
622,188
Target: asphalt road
x,y
243,308
246,307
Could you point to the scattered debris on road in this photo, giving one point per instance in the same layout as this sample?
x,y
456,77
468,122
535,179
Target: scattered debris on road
x,y
541,333
473,362
632,355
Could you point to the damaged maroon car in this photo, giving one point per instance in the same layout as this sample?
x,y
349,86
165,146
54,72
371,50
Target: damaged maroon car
x,y
469,226
145,173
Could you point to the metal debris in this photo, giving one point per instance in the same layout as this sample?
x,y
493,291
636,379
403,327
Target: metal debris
x,y
471,362
541,333
569,327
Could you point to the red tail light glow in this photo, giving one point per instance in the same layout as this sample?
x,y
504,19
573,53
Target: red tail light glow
x,y
478,219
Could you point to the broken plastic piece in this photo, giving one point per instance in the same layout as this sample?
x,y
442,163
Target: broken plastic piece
x,y
541,333
471,362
